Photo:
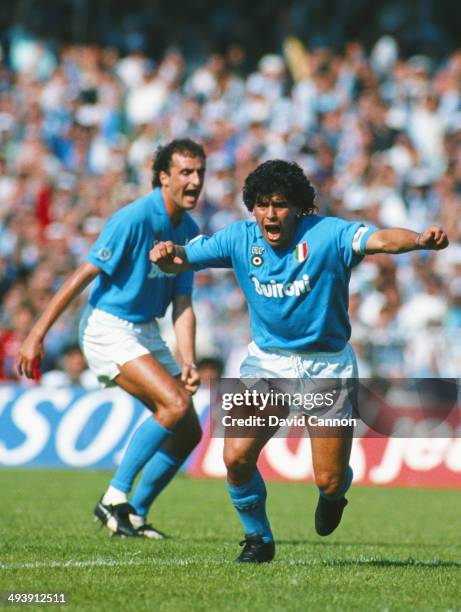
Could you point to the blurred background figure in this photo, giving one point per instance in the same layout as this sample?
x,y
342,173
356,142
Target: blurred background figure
x,y
72,371
210,369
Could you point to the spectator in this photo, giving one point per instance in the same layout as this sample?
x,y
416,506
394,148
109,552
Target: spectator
x,y
379,134
72,371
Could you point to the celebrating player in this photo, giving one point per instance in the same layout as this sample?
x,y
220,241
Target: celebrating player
x,y
120,337
294,268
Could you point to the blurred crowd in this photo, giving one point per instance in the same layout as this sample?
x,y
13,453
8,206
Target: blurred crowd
x,y
379,135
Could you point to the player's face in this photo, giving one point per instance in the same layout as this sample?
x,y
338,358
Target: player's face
x,y
277,219
183,183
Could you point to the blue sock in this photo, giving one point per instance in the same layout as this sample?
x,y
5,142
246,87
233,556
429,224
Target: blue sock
x,y
345,488
250,502
157,473
146,440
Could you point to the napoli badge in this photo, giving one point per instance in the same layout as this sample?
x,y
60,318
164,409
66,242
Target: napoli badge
x,y
104,254
257,256
301,252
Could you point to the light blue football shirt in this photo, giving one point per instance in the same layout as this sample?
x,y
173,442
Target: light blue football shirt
x,y
297,296
130,286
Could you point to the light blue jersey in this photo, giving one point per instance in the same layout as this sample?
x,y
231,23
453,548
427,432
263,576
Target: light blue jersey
x,y
297,296
130,286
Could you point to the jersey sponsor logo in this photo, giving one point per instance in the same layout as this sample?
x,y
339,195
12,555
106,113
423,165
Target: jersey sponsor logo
x,y
104,254
273,289
301,252
155,272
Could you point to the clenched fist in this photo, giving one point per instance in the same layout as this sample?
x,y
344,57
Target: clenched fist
x,y
169,257
432,238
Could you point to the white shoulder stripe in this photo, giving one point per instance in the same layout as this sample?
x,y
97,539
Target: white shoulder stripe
x,y
195,239
358,238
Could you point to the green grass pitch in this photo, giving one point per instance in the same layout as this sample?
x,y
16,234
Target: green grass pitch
x,y
396,549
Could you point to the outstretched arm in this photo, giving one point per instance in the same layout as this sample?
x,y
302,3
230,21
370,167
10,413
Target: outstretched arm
x,y
31,351
397,240
170,257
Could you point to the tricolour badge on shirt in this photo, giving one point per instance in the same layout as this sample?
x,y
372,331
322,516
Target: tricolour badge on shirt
x,y
301,252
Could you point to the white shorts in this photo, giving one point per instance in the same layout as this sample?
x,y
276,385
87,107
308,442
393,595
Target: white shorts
x,y
289,364
109,342
299,367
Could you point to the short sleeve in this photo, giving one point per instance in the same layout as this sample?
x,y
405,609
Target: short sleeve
x,y
210,252
352,239
108,250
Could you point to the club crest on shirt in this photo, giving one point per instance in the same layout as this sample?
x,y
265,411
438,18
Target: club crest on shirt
x,y
301,252
104,254
256,256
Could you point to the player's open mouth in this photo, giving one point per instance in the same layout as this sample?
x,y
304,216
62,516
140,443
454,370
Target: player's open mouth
x,y
191,195
273,231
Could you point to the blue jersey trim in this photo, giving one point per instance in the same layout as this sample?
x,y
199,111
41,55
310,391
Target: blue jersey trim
x,y
364,239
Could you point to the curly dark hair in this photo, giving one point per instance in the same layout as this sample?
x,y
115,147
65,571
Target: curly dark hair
x,y
163,155
277,176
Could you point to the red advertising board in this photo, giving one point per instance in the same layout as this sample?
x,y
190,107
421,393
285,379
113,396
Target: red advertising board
x,y
422,462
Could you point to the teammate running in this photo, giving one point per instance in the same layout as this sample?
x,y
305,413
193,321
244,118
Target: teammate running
x,y
120,336
294,268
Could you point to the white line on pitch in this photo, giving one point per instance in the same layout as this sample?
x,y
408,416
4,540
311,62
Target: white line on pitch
x,y
93,563
208,562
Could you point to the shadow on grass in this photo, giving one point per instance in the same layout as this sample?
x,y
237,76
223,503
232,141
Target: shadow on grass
x,y
324,543
418,563
212,539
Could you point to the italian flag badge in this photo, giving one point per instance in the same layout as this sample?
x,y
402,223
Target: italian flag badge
x,y
301,252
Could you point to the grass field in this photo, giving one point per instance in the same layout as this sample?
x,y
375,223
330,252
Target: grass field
x,y
396,549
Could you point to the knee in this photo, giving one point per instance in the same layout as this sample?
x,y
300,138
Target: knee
x,y
239,466
178,406
330,483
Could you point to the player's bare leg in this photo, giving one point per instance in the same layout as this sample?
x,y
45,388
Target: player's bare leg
x,y
331,449
241,456
146,379
160,444
187,434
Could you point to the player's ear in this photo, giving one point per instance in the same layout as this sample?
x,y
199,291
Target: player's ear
x,y
164,178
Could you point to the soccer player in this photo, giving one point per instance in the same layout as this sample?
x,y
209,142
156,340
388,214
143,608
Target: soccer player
x,y
294,268
120,336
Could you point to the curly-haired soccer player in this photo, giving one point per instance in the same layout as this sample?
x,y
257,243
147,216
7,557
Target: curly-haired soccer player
x,y
294,268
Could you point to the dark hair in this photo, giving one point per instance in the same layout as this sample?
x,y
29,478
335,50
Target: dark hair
x,y
71,348
212,362
163,155
280,177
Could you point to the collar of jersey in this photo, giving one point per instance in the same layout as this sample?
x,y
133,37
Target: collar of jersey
x,y
159,202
